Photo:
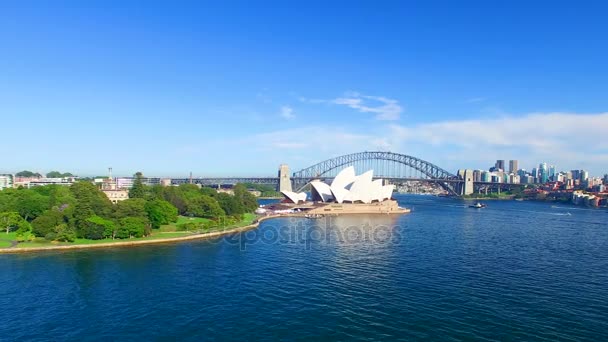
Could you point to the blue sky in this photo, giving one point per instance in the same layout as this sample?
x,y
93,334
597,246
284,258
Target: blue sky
x,y
236,88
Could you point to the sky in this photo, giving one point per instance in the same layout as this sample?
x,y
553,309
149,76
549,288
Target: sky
x,y
235,88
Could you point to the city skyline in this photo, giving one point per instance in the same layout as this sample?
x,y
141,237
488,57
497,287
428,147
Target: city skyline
x,y
209,89
508,169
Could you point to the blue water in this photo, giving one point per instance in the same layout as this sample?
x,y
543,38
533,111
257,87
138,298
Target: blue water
x,y
513,271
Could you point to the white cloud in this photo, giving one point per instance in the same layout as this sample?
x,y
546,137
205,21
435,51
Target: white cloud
x,y
287,113
384,108
567,140
570,140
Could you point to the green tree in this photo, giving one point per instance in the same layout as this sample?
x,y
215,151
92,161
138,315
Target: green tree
x,y
208,191
175,196
11,220
89,201
203,206
249,202
160,212
46,223
57,174
96,228
138,189
30,204
63,232
230,204
24,232
156,192
130,227
26,173
133,207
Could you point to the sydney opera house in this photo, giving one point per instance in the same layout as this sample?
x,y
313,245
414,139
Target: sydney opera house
x,y
348,193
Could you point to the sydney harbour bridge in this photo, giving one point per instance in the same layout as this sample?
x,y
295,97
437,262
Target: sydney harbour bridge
x,y
395,168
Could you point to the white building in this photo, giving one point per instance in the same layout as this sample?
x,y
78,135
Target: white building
x,y
6,181
116,195
346,187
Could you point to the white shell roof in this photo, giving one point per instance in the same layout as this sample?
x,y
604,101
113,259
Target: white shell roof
x,y
295,197
323,190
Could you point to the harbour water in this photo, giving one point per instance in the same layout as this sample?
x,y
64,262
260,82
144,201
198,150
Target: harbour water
x,y
512,271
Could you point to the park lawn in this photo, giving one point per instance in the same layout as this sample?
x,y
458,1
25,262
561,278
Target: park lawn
x,y
172,227
10,236
5,239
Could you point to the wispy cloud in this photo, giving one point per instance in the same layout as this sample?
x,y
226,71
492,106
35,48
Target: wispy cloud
x,y
383,107
475,99
286,112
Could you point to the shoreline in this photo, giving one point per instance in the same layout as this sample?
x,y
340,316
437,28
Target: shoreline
x,y
201,236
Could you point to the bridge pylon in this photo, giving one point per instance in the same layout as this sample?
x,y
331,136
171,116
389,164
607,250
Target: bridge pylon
x,y
284,178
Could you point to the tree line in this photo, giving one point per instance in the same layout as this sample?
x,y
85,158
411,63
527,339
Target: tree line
x,y
52,174
60,213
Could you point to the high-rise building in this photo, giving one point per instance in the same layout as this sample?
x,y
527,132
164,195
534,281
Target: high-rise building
x,y
513,166
500,164
543,173
552,173
576,174
584,175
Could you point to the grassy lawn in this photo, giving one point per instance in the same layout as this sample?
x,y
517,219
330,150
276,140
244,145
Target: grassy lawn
x,y
167,231
181,219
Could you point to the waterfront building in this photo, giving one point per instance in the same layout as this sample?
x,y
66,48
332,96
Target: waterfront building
x,y
514,179
6,181
527,179
569,184
513,166
486,177
346,187
478,175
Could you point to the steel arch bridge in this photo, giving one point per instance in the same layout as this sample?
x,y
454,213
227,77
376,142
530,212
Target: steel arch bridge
x,y
388,165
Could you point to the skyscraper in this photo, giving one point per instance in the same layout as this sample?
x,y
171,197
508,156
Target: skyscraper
x,y
500,164
513,166
543,172
584,175
552,173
